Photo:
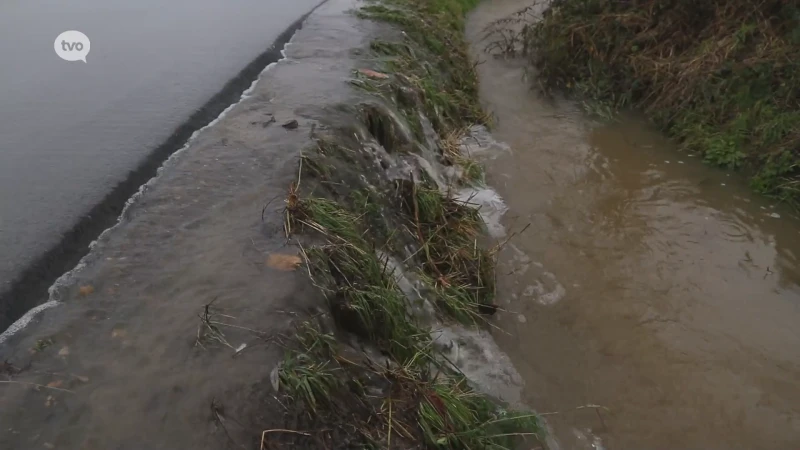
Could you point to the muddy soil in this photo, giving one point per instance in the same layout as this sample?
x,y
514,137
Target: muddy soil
x,y
647,283
117,360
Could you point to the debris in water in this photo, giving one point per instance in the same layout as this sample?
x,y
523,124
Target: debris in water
x,y
119,333
373,74
775,215
291,125
86,290
55,384
275,378
64,351
284,262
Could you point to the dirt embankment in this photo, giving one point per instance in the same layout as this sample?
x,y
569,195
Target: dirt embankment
x,y
192,324
720,76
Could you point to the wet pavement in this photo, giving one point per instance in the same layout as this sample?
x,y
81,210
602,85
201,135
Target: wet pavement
x,y
656,294
118,363
72,133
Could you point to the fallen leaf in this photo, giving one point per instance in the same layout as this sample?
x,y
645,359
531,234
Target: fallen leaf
x,y
55,384
86,290
119,333
82,378
284,262
64,351
373,74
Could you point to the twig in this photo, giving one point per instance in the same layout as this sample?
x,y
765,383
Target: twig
x,y
264,209
37,385
503,244
596,407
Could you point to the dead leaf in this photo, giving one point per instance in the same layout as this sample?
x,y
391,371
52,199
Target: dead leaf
x,y
86,290
82,378
373,74
119,333
55,384
284,262
64,351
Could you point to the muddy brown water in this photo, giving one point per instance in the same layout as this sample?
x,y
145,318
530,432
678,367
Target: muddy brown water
x,y
647,283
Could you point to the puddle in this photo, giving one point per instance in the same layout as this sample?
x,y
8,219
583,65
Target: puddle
x,y
647,282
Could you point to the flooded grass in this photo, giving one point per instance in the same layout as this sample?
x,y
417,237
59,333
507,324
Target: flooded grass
x,y
398,391
720,76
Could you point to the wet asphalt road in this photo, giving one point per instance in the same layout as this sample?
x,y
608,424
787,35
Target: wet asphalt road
x,y
72,131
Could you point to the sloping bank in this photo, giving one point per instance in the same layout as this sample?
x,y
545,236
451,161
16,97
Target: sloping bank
x,y
720,76
391,217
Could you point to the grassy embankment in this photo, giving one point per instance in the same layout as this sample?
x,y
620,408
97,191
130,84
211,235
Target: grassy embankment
x,y
721,76
345,214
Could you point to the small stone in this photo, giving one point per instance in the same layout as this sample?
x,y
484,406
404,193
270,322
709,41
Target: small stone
x,y
522,318
291,125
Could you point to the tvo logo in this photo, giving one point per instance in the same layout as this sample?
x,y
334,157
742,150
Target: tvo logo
x,y
72,46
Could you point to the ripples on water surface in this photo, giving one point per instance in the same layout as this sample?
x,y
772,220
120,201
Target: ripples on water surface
x,y
648,283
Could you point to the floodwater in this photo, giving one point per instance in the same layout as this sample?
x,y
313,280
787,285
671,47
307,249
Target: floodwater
x,y
653,302
117,364
70,132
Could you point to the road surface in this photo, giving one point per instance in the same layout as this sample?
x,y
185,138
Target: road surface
x,y
70,132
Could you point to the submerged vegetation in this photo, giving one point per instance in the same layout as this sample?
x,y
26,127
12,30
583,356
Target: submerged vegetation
x,y
722,76
368,206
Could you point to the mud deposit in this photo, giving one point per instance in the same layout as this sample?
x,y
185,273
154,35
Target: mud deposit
x,y
647,282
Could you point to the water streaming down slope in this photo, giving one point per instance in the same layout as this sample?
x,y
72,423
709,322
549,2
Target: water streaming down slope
x,y
647,283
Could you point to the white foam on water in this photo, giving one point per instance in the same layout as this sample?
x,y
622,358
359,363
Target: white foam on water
x,y
480,142
490,206
544,295
67,277
475,353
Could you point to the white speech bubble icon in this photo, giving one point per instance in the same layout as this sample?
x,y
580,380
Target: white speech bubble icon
x,y
72,46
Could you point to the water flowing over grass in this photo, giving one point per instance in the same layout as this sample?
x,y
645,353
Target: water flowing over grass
x,y
358,226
